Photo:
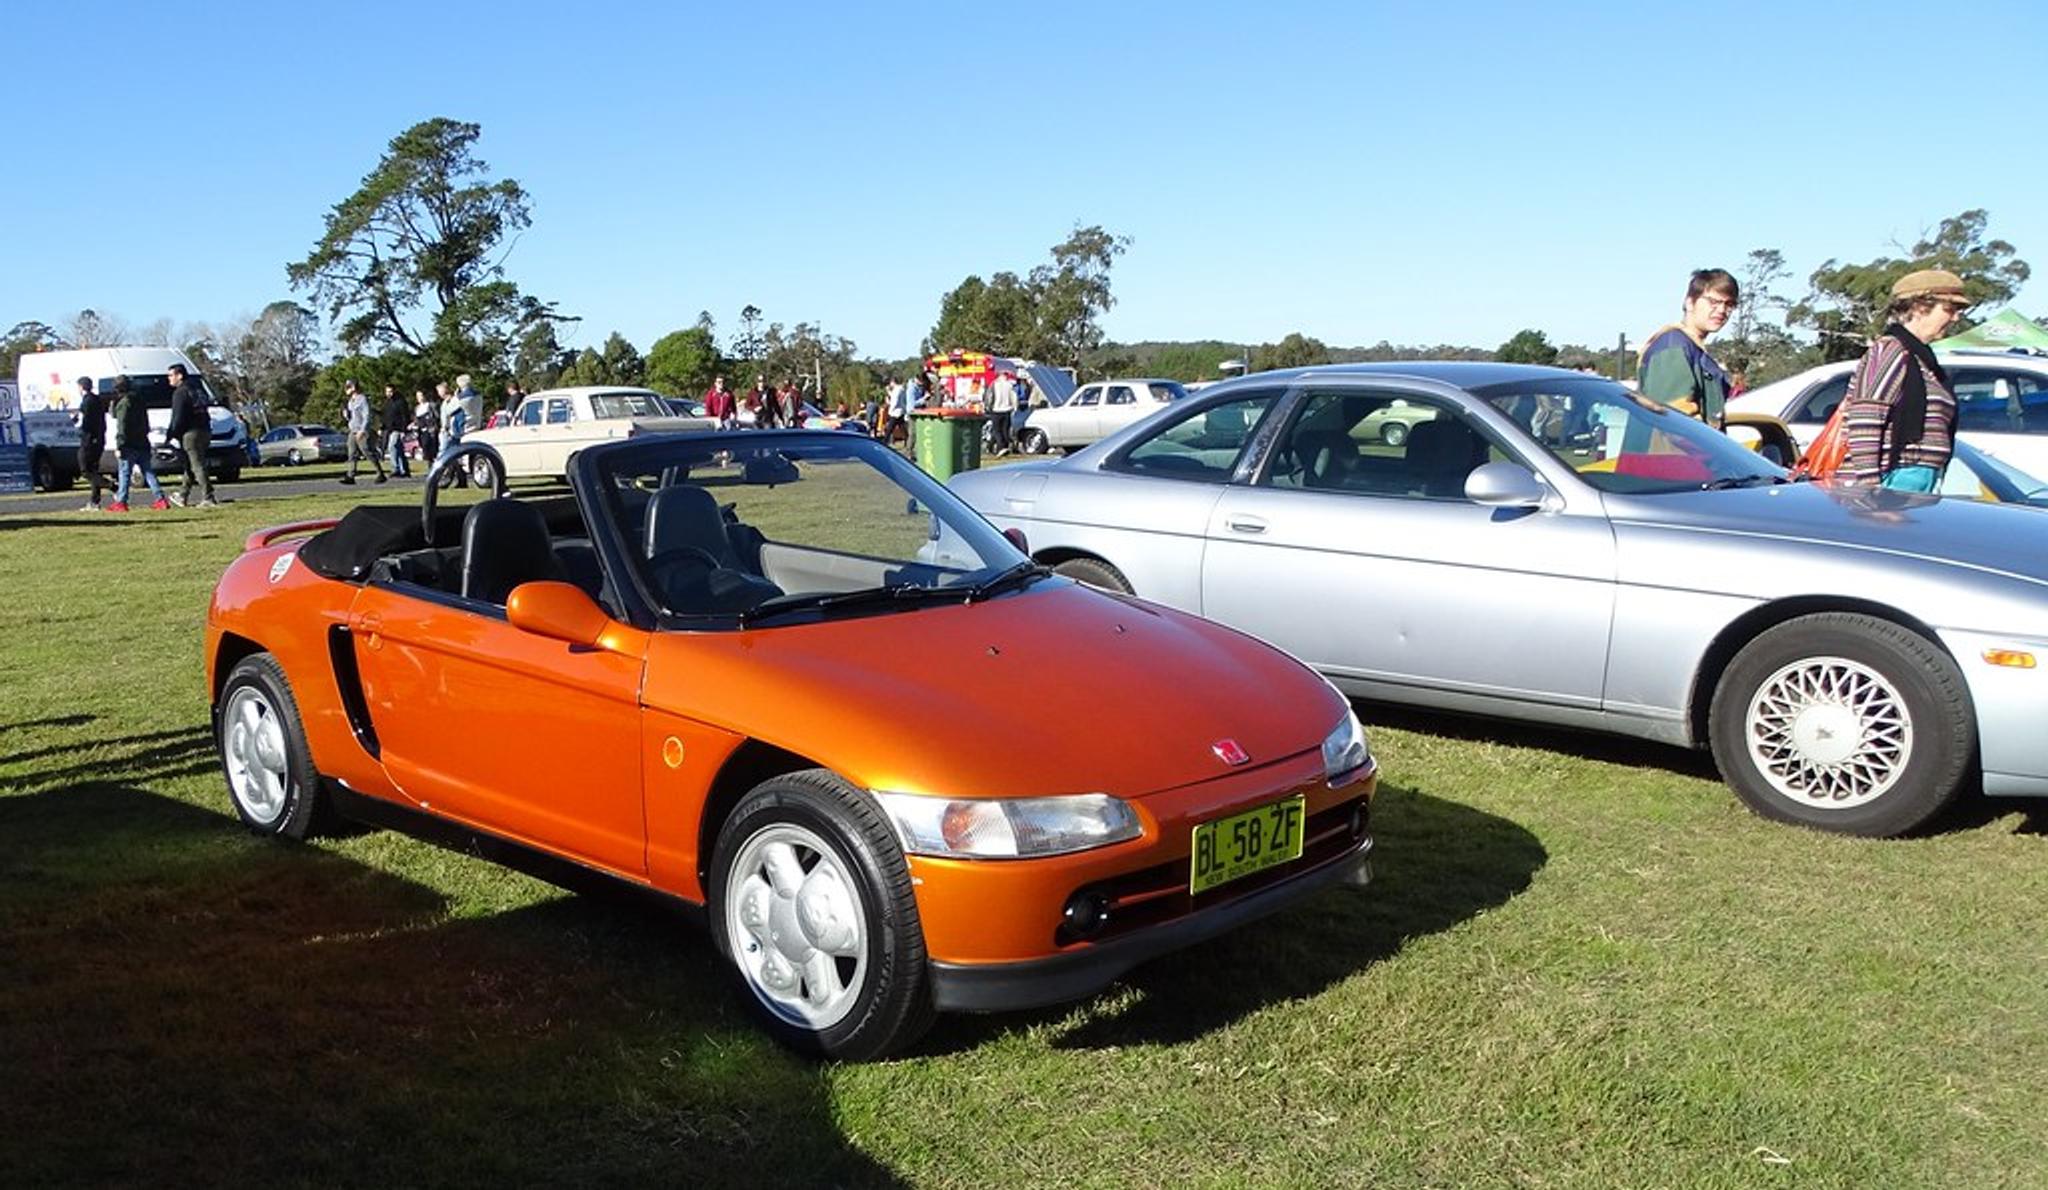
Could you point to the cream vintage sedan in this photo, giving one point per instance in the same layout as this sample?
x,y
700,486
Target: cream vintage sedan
x,y
550,426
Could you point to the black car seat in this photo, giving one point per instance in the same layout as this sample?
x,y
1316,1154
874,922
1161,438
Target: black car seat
x,y
1441,453
692,564
1328,458
685,516
505,543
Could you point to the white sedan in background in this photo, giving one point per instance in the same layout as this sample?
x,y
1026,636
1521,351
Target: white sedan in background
x,y
552,425
1094,412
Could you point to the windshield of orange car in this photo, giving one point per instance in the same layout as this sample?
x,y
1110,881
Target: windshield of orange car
x,y
739,527
1621,442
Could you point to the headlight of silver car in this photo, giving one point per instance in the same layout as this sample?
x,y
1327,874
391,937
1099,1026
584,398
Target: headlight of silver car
x,y
1008,828
1345,750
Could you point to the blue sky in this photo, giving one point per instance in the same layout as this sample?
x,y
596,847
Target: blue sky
x,y
1416,173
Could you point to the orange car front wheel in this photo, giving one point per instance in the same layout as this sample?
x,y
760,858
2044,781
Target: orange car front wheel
x,y
811,902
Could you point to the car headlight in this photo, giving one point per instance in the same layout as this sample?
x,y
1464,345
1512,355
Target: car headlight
x,y
1345,750
1008,828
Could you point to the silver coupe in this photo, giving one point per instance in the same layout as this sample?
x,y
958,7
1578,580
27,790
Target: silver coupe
x,y
1546,545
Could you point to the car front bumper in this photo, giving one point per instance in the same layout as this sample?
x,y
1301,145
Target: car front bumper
x,y
1034,983
2011,704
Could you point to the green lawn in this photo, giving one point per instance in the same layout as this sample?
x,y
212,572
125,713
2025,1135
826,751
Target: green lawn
x,y
1581,964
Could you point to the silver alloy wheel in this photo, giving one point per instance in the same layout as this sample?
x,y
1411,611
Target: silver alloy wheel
x,y
1829,733
258,772
794,921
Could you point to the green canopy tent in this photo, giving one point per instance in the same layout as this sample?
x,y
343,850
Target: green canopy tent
x,y
2009,330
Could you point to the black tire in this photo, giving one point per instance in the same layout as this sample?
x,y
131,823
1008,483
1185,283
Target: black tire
x,y
231,473
1394,433
483,472
1096,573
892,1006
1033,441
45,473
293,458
1782,752
257,684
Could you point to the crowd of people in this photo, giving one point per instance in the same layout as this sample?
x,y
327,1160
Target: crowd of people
x,y
190,430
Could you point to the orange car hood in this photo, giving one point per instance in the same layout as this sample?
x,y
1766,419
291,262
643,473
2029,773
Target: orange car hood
x,y
1055,689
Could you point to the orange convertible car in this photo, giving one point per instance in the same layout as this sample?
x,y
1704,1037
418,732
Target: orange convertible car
x,y
788,678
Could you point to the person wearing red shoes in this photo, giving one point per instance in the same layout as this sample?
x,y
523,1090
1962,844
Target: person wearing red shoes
x,y
131,447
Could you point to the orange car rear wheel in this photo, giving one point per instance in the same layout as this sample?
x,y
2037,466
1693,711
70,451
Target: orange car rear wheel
x,y
811,901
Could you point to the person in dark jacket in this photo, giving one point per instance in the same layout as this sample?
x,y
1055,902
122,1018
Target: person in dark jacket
x,y
191,430
92,437
396,414
131,447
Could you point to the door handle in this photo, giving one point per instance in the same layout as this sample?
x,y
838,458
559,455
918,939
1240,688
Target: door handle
x,y
367,622
1245,524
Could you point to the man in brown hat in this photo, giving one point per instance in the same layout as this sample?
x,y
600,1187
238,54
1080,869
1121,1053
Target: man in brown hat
x,y
1900,410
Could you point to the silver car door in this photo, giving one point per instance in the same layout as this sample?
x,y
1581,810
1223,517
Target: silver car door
x,y
1366,560
1146,508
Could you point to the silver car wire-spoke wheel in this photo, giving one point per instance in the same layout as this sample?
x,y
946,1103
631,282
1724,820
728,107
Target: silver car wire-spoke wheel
x,y
798,931
1829,732
259,774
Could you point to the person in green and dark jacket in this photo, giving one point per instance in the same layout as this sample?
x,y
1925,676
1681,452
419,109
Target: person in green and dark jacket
x,y
1677,370
131,446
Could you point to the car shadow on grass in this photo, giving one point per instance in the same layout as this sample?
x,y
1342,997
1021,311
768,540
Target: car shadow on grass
x,y
187,1004
1436,863
1588,745
151,756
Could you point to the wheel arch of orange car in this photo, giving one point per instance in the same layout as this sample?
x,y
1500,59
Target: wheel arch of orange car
x,y
753,762
1761,619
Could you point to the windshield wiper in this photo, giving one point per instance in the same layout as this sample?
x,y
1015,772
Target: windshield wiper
x,y
894,593
1740,481
1022,574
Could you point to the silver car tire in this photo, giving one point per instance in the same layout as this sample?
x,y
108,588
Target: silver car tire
x,y
810,900
1096,573
1844,722
264,755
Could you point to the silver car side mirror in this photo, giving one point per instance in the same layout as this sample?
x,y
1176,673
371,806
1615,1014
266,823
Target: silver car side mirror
x,y
1504,485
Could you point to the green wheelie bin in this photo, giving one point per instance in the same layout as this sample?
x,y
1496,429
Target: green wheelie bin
x,y
946,441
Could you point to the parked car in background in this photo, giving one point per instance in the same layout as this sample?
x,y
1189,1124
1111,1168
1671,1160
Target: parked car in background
x,y
691,674
1971,474
1093,412
296,444
1550,546
2001,402
549,427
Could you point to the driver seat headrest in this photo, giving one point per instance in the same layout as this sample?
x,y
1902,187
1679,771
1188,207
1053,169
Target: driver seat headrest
x,y
687,516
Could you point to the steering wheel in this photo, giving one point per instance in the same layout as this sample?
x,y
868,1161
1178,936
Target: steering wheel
x,y
451,464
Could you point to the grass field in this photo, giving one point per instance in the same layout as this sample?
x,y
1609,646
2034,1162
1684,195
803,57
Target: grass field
x,y
1581,964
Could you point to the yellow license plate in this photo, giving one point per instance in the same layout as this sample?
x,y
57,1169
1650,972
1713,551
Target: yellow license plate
x,y
1241,844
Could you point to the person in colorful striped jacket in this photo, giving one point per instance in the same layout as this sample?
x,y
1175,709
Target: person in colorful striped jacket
x,y
1900,411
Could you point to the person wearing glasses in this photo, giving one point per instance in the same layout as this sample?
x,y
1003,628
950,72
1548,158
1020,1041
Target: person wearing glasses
x,y
1900,410
1676,368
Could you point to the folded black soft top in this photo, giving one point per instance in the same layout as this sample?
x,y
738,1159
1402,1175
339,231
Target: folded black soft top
x,y
368,532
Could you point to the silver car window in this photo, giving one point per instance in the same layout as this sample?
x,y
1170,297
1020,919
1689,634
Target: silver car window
x,y
529,413
1202,444
1379,444
560,410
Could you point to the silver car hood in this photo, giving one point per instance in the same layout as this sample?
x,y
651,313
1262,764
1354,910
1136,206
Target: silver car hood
x,y
1973,534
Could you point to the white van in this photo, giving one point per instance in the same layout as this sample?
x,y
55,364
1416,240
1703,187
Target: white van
x,y
48,380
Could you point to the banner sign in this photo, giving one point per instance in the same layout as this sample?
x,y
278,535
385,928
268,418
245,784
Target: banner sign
x,y
14,472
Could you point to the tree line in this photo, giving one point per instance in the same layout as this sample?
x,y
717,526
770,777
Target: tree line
x,y
409,279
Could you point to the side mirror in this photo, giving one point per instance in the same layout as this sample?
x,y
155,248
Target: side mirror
x,y
558,611
1017,539
1504,485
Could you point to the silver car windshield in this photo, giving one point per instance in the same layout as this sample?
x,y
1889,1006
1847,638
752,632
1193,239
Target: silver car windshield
x,y
1618,441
